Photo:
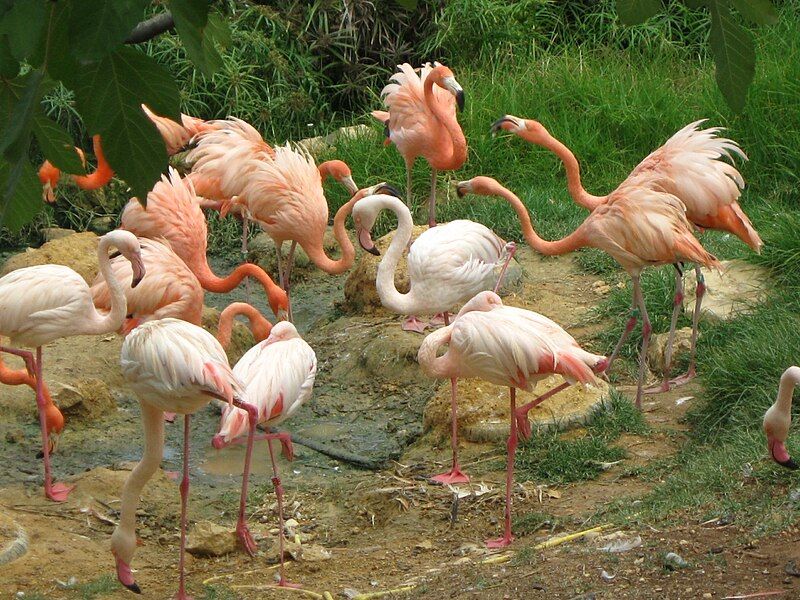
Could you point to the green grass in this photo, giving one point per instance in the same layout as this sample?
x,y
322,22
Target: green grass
x,y
98,588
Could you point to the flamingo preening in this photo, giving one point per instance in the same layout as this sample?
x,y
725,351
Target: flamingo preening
x,y
778,419
690,166
49,174
41,304
421,121
260,327
172,366
512,347
637,226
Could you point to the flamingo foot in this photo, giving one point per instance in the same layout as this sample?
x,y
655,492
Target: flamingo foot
x,y
58,492
523,424
246,539
658,388
453,476
182,596
125,577
287,584
169,417
502,542
682,379
437,320
412,323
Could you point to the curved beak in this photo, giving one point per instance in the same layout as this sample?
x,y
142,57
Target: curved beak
x,y
351,186
282,315
498,125
462,188
365,241
455,88
778,452
385,188
460,99
218,442
138,270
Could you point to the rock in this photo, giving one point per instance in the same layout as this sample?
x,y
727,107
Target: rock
x,y
319,144
261,250
84,399
733,292
209,539
360,292
78,252
674,561
601,288
656,353
102,225
55,233
241,338
483,408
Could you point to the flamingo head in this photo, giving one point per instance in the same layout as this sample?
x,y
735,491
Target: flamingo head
x,y
339,170
482,301
447,81
279,303
776,428
128,246
49,176
365,212
528,129
281,332
481,186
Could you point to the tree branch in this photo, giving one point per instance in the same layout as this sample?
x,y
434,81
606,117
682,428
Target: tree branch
x,y
152,27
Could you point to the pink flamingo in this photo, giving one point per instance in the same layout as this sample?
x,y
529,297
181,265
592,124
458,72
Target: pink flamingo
x,y
259,326
422,122
49,174
170,290
778,419
173,213
177,135
41,304
280,374
507,346
690,166
172,366
638,227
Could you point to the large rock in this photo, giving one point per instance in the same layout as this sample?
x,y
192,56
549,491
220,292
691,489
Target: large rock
x,y
740,286
483,408
261,250
656,352
78,252
241,337
84,399
322,143
209,539
55,233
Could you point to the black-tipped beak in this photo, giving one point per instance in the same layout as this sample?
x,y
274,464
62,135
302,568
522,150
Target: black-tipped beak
x,y
461,189
386,188
460,99
789,464
137,266
134,587
365,241
498,125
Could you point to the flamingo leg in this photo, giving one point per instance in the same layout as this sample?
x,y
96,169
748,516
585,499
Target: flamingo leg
x,y
511,248
701,290
454,475
184,487
511,447
412,323
279,251
276,481
442,318
25,355
242,531
432,200
634,316
245,234
646,330
288,275
521,414
409,195
676,309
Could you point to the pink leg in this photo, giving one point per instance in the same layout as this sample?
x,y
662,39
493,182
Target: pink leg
x,y
521,414
438,319
701,290
512,450
245,538
646,330
287,276
25,355
409,195
432,200
677,304
181,595
412,323
169,417
511,248
628,328
245,233
57,492
276,481
454,475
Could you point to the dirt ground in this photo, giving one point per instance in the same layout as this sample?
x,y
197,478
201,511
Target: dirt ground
x,y
361,531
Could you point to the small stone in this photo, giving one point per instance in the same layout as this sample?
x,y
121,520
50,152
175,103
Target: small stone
x,y
708,595
674,561
210,539
85,399
657,351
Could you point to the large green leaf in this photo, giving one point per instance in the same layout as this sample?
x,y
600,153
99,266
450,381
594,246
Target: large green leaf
x,y
22,96
24,25
9,66
20,194
199,34
55,53
759,12
633,12
98,26
56,144
734,54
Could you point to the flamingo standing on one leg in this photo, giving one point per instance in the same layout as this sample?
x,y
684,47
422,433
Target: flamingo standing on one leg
x,y
41,304
170,290
173,213
690,166
778,419
179,367
447,265
49,174
507,346
422,122
638,227
280,374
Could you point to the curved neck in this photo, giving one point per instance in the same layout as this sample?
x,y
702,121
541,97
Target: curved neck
x,y
102,174
448,120
219,285
574,185
112,320
384,282
437,366
572,242
316,253
259,326
10,376
789,379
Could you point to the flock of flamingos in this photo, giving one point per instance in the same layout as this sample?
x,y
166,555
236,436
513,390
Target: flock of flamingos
x,y
150,289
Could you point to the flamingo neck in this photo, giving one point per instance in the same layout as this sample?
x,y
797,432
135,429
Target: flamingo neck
x,y
221,285
53,416
789,379
458,144
316,253
259,326
112,320
574,184
390,297
102,174
437,366
570,243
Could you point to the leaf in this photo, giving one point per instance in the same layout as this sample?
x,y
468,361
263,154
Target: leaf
x,y
23,95
197,32
633,12
56,144
9,66
98,26
20,194
758,12
734,55
55,55
24,25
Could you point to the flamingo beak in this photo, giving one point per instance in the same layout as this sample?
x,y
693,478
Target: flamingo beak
x,y
365,240
778,452
385,188
455,88
462,188
282,314
138,270
351,186
218,442
498,125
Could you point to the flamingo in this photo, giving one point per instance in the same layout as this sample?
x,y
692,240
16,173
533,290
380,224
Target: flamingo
x,y
638,227
170,290
778,419
279,374
177,135
41,304
178,367
447,265
49,174
690,166
173,213
509,346
259,326
421,121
